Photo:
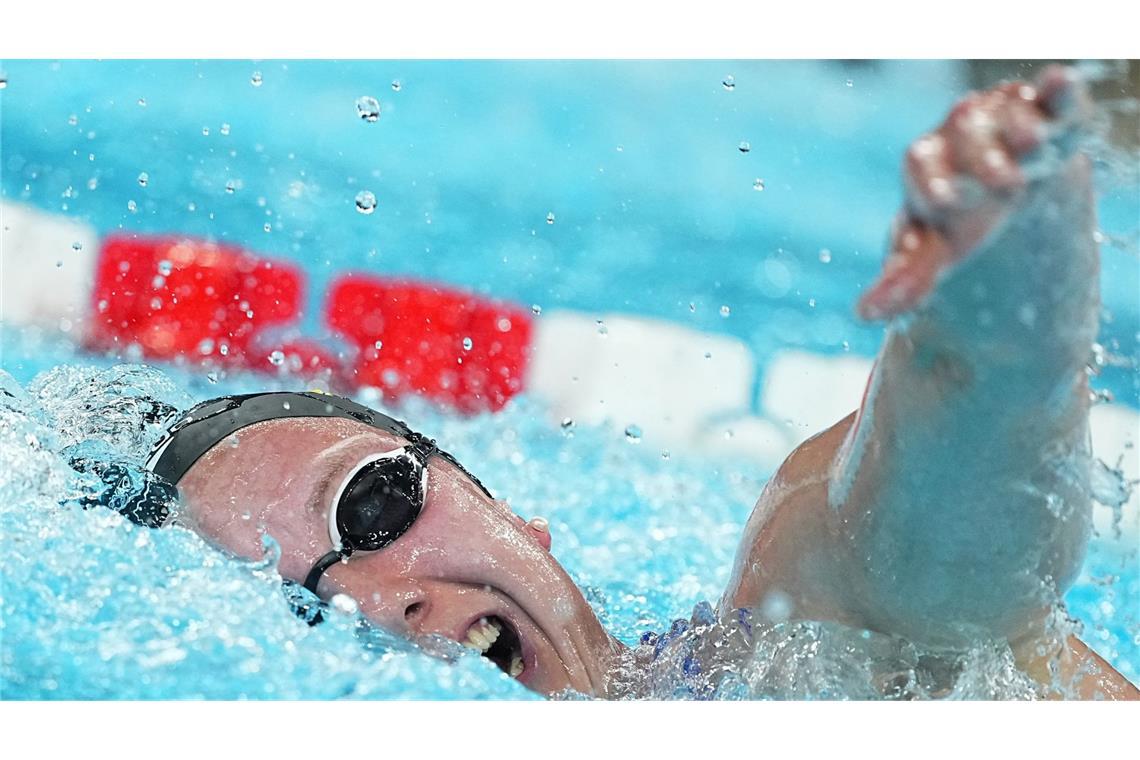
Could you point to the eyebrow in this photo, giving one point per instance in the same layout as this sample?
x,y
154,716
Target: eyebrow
x,y
315,502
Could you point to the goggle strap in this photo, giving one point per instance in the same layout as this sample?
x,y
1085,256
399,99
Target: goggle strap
x,y
323,564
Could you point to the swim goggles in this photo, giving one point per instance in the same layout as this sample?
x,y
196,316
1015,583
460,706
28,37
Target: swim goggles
x,y
376,503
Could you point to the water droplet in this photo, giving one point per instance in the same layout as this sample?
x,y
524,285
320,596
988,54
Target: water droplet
x,y
344,604
277,358
231,186
378,345
132,207
212,377
692,307
758,185
368,108
224,349
365,202
267,227
165,268
144,178
633,434
142,102
73,120
567,423
3,82
467,344
255,80
535,309
824,256
396,85
665,454
708,354
550,218
602,329
286,405
59,263
205,131
850,82
744,146
729,83
725,311
225,130
206,347
77,246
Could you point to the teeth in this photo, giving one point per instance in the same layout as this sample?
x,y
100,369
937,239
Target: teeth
x,y
482,635
516,666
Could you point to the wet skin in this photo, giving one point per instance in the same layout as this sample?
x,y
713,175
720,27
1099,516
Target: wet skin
x,y
927,513
466,556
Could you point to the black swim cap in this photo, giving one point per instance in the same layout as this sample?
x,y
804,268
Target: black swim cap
x,y
211,422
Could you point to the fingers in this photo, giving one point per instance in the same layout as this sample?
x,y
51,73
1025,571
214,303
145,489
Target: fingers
x,y
1062,95
976,136
919,252
930,177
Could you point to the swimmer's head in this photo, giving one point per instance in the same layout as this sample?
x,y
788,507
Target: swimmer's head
x,y
451,561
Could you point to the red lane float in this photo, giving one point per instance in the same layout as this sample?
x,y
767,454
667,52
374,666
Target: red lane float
x,y
180,298
418,337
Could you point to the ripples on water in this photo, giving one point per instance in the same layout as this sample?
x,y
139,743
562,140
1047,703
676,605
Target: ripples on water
x,y
97,607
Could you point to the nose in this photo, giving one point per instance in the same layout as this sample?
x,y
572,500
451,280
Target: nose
x,y
400,608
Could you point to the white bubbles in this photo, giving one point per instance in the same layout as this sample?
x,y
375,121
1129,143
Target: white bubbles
x,y
368,108
850,83
144,179
758,184
165,268
725,311
744,146
344,604
225,129
824,256
633,434
729,83
73,120
255,79
550,218
365,202
277,358
132,207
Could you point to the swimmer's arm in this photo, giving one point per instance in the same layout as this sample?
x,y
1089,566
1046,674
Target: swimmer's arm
x,y
957,492
1087,674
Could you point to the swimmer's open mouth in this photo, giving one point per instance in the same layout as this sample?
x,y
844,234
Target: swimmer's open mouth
x,y
497,640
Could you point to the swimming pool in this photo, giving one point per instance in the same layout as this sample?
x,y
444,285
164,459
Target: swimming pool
x,y
598,187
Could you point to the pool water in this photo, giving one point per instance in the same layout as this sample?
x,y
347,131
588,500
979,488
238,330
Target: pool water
x,y
591,186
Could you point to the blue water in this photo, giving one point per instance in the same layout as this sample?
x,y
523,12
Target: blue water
x,y
654,209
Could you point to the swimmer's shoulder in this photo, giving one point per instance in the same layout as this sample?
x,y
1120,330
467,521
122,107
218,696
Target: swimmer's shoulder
x,y
810,463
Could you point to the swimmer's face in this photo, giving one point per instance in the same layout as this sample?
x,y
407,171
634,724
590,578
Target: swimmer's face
x,y
465,559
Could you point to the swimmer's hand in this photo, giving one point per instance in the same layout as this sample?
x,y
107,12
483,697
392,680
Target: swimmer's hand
x,y
964,180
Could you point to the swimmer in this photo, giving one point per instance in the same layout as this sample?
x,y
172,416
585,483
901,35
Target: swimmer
x,y
951,507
